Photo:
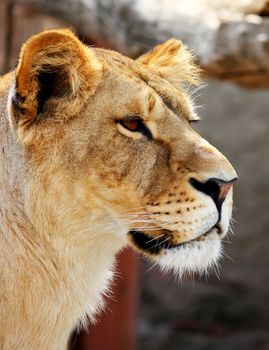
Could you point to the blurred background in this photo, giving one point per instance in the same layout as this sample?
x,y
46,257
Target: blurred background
x,y
149,311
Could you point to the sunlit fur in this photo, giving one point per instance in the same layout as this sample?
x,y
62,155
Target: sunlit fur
x,y
194,257
75,184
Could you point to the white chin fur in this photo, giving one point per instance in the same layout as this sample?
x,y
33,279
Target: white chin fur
x,y
196,256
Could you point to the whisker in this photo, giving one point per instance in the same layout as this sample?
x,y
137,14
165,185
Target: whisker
x,y
153,239
135,208
132,209
137,221
133,217
200,106
194,91
195,97
137,213
156,245
216,270
227,256
233,221
153,265
145,228
226,241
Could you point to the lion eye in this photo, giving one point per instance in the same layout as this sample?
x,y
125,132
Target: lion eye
x,y
132,125
136,124
194,121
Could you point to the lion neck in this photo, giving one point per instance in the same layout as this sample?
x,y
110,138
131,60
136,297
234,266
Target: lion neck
x,y
50,280
54,283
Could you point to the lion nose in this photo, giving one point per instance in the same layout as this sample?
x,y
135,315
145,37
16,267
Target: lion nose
x,y
217,189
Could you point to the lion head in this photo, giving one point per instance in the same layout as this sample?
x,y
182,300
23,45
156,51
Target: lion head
x,y
108,150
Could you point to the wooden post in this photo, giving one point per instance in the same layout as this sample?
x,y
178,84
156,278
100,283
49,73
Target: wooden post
x,y
116,327
4,34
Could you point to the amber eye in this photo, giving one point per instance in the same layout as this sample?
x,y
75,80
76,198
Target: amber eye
x,y
132,125
194,121
135,124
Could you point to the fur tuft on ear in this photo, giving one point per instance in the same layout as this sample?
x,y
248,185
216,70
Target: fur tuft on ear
x,y
173,62
55,74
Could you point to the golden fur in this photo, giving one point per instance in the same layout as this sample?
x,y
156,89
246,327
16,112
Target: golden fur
x,y
77,185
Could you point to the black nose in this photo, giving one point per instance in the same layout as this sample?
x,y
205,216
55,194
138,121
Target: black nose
x,y
217,189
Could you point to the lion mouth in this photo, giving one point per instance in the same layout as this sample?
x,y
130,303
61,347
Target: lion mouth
x,y
154,245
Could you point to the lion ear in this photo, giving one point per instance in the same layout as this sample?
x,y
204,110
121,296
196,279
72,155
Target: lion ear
x,y
54,71
173,62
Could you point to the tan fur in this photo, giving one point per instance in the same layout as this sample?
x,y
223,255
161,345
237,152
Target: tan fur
x,y
170,57
73,181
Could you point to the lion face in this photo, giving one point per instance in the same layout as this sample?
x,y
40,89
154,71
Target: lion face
x,y
111,138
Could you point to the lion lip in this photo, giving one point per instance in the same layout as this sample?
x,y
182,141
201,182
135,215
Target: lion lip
x,y
153,246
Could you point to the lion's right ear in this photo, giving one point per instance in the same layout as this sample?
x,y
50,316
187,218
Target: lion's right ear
x,y
55,73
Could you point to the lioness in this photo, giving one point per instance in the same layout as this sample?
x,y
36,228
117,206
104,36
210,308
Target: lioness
x,y
98,152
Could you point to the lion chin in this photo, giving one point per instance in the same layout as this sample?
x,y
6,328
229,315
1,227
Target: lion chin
x,y
195,256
